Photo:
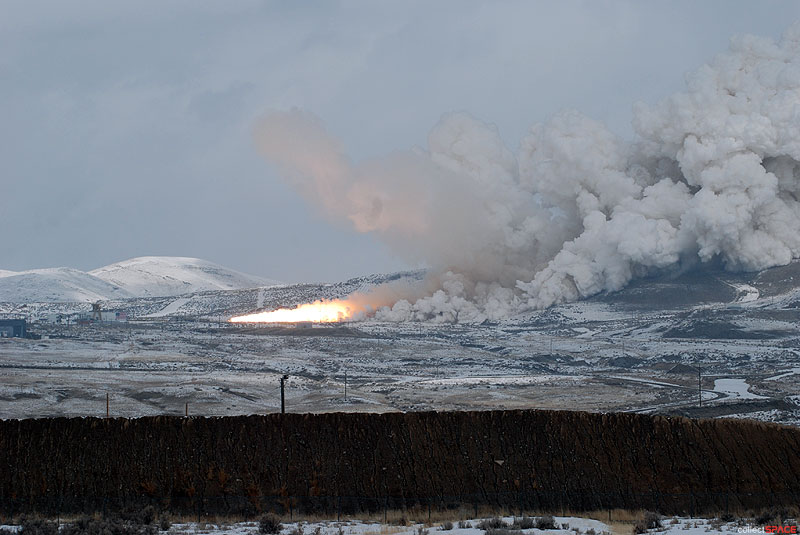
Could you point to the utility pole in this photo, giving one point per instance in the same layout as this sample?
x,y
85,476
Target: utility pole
x,y
283,399
699,388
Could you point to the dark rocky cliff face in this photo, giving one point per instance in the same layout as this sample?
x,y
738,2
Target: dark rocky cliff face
x,y
326,462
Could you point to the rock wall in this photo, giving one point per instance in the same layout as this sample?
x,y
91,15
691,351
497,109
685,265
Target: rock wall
x,y
344,462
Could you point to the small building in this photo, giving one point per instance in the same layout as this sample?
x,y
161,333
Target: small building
x,y
102,316
13,328
113,315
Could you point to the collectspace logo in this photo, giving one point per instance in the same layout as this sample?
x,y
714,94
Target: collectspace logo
x,y
770,528
780,529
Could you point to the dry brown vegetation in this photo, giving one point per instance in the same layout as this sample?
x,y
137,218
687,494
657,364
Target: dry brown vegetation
x,y
457,463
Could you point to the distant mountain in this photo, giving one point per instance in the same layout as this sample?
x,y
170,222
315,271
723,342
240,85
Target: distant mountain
x,y
56,285
151,276
160,276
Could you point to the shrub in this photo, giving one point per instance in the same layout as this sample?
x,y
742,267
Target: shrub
x,y
422,531
650,521
37,526
147,515
463,524
447,526
525,522
269,525
764,517
546,522
591,531
140,517
768,515
503,531
102,526
491,523
164,524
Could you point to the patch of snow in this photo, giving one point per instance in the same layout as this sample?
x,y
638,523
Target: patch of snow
x,y
657,384
584,332
169,309
793,371
735,388
746,293
504,380
574,525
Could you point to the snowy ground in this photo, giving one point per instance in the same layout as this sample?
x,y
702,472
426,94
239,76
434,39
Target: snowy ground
x,y
607,354
567,525
582,356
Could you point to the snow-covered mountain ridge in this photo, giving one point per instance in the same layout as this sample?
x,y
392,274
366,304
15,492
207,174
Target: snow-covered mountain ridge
x,y
160,276
151,276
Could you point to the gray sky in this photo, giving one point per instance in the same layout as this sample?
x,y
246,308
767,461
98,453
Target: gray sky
x,y
126,127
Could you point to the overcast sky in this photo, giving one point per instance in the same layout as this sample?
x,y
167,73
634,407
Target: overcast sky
x,y
126,127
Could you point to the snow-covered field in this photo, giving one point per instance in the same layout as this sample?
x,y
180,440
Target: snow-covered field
x,y
566,525
157,364
611,353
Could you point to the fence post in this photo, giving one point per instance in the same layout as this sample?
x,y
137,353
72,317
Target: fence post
x,y
338,508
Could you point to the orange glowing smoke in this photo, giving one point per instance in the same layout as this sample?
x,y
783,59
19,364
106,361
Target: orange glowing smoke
x,y
318,312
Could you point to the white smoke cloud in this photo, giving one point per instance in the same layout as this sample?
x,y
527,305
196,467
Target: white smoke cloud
x,y
714,175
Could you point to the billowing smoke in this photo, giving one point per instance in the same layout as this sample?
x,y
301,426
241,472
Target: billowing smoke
x,y
713,176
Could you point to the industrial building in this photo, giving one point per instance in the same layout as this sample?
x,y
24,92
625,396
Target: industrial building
x,y
102,316
13,328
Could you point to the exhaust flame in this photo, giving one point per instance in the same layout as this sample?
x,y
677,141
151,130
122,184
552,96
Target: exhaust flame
x,y
317,312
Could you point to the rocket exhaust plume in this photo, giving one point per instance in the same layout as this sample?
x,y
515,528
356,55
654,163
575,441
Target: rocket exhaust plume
x,y
712,176
317,312
357,306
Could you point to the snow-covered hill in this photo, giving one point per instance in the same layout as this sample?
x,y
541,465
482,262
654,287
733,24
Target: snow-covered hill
x,y
56,285
159,276
151,276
